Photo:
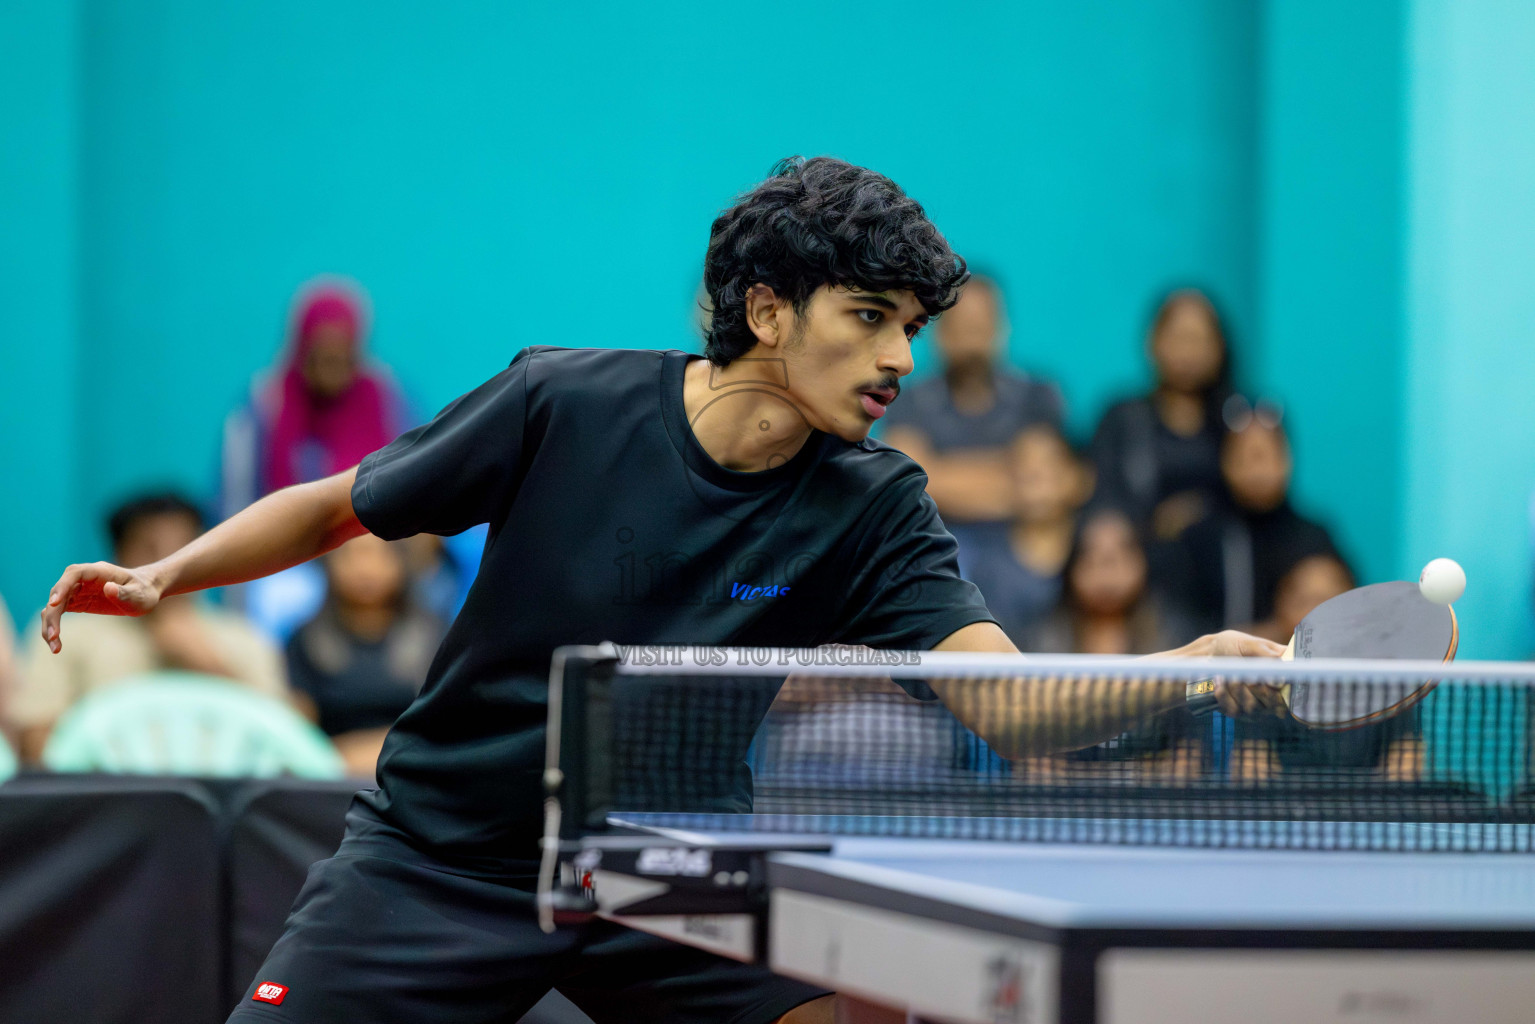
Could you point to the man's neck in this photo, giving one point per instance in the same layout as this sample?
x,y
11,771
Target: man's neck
x,y
742,414
973,390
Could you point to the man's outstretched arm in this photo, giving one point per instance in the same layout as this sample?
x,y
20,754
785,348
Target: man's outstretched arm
x,y
1024,716
283,529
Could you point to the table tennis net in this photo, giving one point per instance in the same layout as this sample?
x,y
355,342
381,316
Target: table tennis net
x,y
1058,749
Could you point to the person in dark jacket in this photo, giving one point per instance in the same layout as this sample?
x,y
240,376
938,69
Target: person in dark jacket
x,y
1158,456
1227,567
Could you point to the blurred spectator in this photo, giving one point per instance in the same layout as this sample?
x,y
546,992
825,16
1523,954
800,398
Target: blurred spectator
x,y
182,632
318,411
1018,564
1266,745
1158,457
1107,608
958,425
361,660
1228,565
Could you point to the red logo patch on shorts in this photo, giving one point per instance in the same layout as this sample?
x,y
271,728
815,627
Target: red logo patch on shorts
x,y
270,992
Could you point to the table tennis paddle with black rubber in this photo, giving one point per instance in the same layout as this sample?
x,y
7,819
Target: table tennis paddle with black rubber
x,y
1383,620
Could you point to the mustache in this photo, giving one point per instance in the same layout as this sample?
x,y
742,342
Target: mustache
x,y
889,382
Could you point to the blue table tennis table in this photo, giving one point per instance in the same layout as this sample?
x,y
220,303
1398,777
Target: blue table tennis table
x,y
1039,933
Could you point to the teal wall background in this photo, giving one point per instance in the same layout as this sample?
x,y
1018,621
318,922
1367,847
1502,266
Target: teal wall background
x,y
500,175
1331,262
41,441
1470,337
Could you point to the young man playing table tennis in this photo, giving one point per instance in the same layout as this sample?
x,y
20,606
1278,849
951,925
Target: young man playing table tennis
x,y
638,497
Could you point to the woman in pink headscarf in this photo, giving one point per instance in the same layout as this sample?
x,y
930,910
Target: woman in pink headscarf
x,y
327,409
319,411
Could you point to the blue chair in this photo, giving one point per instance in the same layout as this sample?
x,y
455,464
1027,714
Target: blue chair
x,y
7,760
178,723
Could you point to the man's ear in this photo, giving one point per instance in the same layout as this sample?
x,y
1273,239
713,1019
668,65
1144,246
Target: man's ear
x,y
768,316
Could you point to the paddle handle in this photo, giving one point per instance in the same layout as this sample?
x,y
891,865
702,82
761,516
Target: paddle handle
x,y
1200,695
1199,698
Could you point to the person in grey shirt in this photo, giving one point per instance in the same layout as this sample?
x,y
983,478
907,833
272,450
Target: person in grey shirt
x,y
960,424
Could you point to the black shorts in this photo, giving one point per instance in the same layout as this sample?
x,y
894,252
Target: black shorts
x,y
382,933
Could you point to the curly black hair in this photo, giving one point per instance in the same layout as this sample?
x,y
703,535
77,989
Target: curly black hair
x,y
820,222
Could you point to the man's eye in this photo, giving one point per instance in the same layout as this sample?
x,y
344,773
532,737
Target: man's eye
x,y
870,316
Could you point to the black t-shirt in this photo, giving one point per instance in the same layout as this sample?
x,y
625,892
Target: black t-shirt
x,y
608,521
356,683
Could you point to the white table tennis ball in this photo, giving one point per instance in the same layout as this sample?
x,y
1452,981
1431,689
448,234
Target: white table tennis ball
x,y
1442,581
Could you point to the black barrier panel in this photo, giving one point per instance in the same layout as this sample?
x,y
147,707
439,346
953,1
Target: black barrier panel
x,y
109,901
154,901
277,830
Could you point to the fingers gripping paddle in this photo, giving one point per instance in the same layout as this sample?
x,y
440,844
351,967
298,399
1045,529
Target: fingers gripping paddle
x,y
1383,620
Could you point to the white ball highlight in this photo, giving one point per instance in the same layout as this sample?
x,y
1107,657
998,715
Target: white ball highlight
x,y
1442,581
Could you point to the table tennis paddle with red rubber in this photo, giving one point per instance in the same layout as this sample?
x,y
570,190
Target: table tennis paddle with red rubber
x,y
1383,620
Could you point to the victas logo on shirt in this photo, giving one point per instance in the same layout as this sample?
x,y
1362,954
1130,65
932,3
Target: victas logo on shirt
x,y
270,992
747,592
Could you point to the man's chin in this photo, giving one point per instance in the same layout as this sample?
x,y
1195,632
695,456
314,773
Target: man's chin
x,y
851,425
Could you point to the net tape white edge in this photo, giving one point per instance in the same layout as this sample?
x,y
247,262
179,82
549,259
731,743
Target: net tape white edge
x,y
662,660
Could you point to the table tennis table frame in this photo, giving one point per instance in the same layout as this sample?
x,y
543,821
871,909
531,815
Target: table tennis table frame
x,y
898,939
991,948
1027,972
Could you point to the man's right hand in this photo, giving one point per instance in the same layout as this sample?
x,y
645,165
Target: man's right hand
x,y
100,588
